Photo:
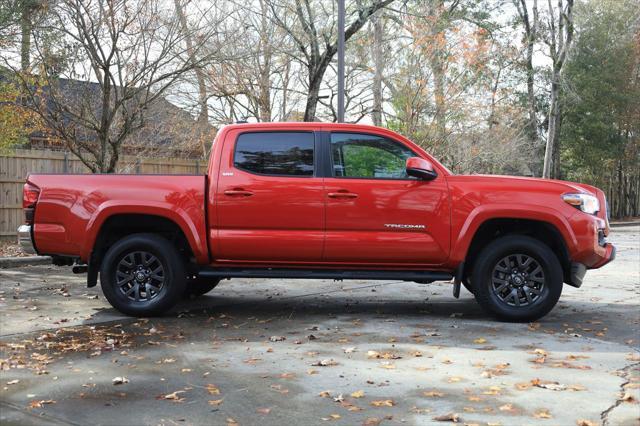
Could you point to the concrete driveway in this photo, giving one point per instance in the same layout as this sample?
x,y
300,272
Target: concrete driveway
x,y
278,352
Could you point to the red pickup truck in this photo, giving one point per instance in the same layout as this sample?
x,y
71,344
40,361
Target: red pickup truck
x,y
316,200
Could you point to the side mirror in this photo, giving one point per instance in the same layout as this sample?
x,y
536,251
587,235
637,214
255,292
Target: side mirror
x,y
420,168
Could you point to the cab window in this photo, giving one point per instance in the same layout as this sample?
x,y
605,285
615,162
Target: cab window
x,y
364,156
275,153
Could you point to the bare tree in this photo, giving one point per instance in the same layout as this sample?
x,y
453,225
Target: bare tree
x,y
559,38
203,114
317,43
118,57
378,68
529,20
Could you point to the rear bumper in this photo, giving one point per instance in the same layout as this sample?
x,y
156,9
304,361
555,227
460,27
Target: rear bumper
x,y
25,239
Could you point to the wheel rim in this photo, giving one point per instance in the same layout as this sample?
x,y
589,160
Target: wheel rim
x,y
518,280
140,276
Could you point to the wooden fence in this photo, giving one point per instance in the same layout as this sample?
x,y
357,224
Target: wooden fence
x,y
15,166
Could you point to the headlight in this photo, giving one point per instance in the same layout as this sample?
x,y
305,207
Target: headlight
x,y
586,203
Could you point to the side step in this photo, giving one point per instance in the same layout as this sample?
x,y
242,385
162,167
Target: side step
x,y
337,274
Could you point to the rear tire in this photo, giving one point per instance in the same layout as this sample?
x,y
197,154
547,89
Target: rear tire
x,y
517,278
199,286
142,275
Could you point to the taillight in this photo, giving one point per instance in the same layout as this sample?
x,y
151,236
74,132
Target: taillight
x,y
30,195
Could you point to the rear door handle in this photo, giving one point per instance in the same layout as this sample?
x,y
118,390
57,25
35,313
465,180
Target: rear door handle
x,y
342,194
238,192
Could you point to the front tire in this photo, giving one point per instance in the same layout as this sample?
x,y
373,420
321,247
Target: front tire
x,y
142,275
517,278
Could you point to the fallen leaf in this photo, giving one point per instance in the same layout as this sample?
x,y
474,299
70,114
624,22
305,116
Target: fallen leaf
x,y
584,422
287,375
383,403
357,394
433,394
174,396
449,417
324,363
325,394
38,404
13,382
507,407
542,414
212,389
628,397
349,350
480,341
264,411
554,386
215,402
277,338
371,421
119,380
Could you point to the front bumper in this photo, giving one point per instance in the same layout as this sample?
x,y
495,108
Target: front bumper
x,y
579,270
25,239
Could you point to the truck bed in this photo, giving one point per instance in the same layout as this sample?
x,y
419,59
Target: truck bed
x,y
71,208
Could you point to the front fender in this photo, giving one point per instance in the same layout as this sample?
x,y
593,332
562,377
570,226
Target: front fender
x,y
486,212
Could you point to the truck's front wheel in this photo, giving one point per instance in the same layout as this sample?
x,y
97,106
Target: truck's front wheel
x,y
142,275
517,278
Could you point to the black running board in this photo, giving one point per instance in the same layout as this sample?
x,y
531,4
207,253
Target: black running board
x,y
336,274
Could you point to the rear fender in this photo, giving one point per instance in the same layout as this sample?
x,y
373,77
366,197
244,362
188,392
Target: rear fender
x,y
180,217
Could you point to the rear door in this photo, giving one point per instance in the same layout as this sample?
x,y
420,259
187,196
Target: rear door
x,y
376,213
270,204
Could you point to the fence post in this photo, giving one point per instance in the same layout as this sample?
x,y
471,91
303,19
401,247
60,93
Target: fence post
x,y
138,167
197,166
65,164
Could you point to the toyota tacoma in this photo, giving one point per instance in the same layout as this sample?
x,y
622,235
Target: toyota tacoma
x,y
318,200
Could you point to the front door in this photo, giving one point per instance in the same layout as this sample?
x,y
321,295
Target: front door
x,y
376,213
270,204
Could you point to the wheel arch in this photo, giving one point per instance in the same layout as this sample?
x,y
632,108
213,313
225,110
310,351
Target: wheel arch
x,y
118,225
541,230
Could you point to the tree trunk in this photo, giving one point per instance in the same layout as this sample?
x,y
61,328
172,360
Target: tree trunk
x,y
203,115
25,39
378,59
554,117
264,99
437,67
315,79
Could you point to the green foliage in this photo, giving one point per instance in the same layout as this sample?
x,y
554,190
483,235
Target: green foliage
x,y
602,100
16,121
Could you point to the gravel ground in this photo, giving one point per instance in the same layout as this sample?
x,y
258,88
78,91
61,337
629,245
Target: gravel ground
x,y
272,352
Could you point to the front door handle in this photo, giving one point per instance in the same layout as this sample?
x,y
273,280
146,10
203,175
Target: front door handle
x,y
238,192
342,194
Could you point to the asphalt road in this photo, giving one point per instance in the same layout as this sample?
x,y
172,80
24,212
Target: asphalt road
x,y
278,352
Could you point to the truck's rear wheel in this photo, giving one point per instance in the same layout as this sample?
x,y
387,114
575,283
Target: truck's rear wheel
x,y
517,278
198,286
142,275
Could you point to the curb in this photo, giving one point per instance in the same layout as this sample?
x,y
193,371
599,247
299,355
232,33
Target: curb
x,y
12,262
623,224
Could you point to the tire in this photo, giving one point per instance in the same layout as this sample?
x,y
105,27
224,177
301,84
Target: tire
x,y
199,286
139,262
517,279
